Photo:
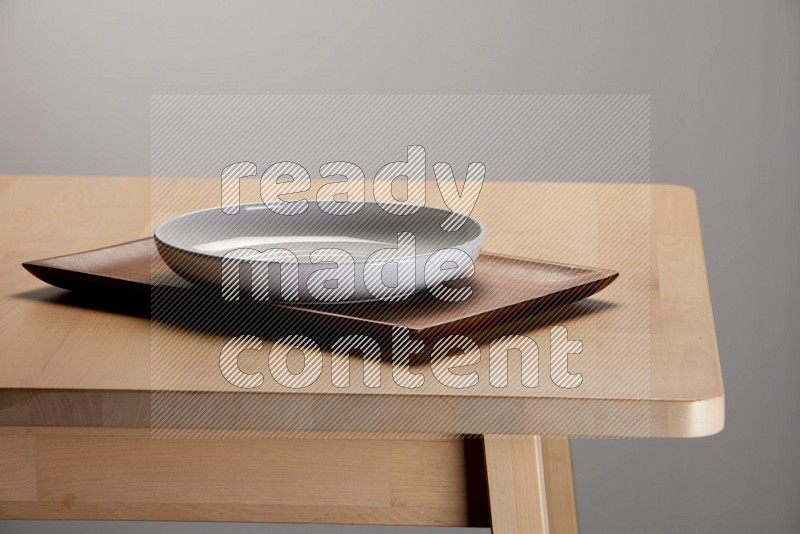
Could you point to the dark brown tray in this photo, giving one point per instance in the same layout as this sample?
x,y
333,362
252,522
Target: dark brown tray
x,y
503,287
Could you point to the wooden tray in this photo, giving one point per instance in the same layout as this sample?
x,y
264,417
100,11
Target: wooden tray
x,y
503,287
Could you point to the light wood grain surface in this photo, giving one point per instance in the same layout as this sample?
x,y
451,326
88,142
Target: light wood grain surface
x,y
649,362
96,473
562,509
517,494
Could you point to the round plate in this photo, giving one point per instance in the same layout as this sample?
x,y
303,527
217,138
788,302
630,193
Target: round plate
x,y
318,256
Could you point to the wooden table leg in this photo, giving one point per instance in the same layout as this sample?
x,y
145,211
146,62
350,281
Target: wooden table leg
x,y
530,485
558,478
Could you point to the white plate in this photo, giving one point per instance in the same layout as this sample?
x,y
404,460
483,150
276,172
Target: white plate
x,y
196,245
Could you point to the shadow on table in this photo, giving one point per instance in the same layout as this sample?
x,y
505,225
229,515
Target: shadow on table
x,y
239,318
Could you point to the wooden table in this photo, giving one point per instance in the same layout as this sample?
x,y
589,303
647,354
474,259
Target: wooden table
x,y
76,382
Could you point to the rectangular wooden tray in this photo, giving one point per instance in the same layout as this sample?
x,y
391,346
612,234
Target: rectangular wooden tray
x,y
504,287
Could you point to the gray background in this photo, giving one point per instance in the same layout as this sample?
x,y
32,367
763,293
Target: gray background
x,y
75,86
